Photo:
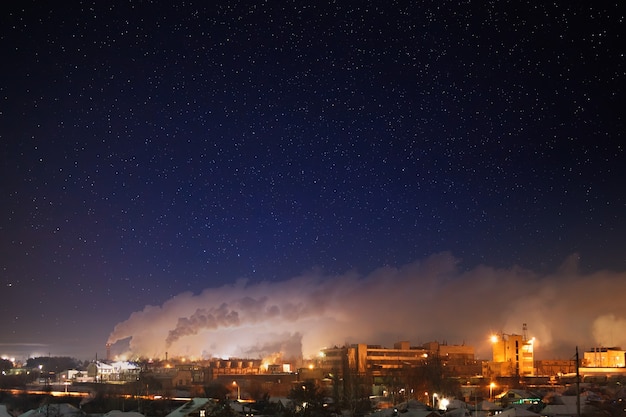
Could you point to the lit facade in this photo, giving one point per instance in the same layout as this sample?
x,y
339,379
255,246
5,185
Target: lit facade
x,y
605,358
512,354
377,360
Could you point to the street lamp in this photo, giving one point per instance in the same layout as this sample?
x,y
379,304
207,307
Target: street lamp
x,y
434,396
491,387
238,390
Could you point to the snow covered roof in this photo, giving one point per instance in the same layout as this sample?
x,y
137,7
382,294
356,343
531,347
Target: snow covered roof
x,y
59,410
192,406
517,412
517,393
410,412
559,410
456,404
125,366
118,413
3,411
457,412
488,406
117,366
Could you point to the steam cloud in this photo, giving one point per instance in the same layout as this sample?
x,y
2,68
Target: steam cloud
x,y
610,331
427,300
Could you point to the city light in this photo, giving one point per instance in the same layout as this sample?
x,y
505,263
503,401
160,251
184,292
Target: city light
x,y
238,390
444,404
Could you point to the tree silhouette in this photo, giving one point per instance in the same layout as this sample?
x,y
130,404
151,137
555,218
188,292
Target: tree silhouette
x,y
309,399
216,391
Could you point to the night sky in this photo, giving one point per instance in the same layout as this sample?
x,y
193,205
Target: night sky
x,y
300,174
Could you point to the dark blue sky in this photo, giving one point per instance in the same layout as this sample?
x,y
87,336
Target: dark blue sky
x,y
149,149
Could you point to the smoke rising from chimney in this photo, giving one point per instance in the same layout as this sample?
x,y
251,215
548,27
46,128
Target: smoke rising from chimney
x,y
432,299
203,319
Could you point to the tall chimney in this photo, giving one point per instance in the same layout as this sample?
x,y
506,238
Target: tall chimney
x,y
108,346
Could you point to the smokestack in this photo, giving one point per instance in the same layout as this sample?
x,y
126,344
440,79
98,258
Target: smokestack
x,y
108,346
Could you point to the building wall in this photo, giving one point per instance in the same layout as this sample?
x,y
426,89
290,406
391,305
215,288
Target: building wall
x,y
382,358
454,353
375,360
604,358
512,355
276,385
555,367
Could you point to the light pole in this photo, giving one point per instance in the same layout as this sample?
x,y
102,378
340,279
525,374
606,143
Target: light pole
x,y
491,386
434,396
238,390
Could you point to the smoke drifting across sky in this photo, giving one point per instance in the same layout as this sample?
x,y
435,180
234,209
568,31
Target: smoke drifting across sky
x,y
427,300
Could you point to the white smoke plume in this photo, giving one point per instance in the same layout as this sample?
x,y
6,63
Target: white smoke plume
x,y
610,331
427,300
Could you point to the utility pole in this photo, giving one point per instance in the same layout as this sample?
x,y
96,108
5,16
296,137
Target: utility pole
x,y
577,384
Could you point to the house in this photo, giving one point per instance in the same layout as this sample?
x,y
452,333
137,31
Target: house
x,y
410,412
196,407
118,413
3,411
567,405
412,408
55,410
485,408
517,396
561,406
518,412
116,371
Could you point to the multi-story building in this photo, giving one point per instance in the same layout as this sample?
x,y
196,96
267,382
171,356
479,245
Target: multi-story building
x,y
362,359
403,371
456,354
374,360
555,367
512,355
116,371
604,357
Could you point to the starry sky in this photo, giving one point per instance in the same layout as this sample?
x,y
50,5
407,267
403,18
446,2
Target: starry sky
x,y
232,156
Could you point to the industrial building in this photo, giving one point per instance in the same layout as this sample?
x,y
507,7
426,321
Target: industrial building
x,y
375,360
512,355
